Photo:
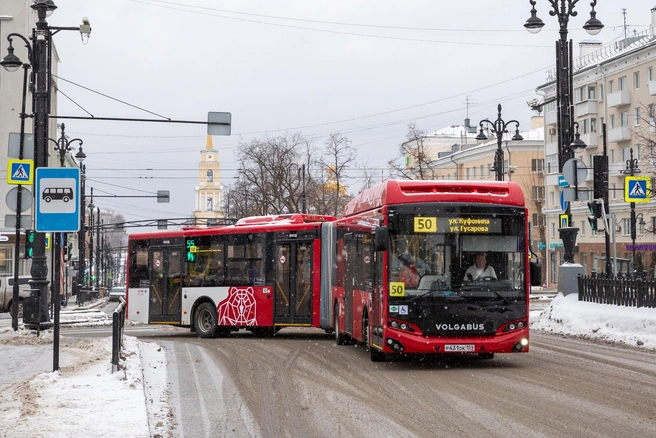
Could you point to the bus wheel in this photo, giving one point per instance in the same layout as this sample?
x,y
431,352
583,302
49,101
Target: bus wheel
x,y
486,355
374,354
205,321
339,336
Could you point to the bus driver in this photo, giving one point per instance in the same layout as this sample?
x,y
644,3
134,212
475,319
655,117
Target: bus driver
x,y
480,270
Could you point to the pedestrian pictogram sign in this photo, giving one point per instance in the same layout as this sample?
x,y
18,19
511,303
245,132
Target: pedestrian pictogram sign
x,y
637,189
20,171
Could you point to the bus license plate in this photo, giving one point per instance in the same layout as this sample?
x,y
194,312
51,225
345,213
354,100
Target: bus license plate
x,y
459,347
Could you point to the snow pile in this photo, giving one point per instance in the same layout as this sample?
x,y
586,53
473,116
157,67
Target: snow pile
x,y
84,398
626,325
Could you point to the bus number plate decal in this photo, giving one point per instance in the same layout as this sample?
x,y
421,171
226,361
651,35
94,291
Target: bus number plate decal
x,y
425,224
397,289
459,347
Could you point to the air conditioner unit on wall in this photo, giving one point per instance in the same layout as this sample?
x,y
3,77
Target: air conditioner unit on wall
x,y
552,131
540,173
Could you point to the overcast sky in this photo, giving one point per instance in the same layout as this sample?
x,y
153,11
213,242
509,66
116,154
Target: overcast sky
x,y
363,68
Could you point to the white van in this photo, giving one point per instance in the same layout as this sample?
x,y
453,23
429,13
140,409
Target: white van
x,y
7,292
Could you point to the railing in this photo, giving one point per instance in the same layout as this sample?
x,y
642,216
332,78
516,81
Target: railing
x,y
118,323
624,290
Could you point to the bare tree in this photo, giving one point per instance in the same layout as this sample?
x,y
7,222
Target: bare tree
x,y
414,161
339,156
270,177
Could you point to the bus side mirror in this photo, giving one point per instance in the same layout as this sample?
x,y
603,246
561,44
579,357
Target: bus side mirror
x,y
535,270
381,237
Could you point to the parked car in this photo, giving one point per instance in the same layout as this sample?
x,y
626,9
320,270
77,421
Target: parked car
x,y
116,293
7,292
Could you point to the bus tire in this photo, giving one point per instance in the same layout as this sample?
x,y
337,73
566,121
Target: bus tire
x,y
486,355
339,336
205,321
374,354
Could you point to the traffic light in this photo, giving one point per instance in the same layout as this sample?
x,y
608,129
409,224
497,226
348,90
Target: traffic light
x,y
30,235
600,185
595,212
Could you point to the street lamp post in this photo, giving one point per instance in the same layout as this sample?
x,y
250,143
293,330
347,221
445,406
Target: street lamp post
x,y
38,54
91,219
498,128
631,169
567,141
563,9
63,145
81,245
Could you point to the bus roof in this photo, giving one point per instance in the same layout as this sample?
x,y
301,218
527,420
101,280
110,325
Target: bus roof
x,y
410,192
254,224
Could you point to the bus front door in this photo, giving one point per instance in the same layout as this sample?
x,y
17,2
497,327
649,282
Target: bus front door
x,y
165,266
293,283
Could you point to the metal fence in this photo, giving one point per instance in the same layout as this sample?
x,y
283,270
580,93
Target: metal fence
x,y
625,290
118,323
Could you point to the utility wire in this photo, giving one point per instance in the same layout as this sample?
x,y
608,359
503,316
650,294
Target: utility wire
x,y
340,32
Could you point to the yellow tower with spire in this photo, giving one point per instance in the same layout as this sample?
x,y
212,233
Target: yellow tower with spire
x,y
209,192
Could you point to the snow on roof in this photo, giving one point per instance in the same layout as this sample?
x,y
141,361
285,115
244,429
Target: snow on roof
x,y
455,131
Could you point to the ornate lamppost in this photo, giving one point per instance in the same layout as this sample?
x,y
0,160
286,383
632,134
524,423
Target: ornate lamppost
x,y
498,128
632,169
38,55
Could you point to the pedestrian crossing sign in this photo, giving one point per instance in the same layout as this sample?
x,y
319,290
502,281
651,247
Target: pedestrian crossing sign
x,y
637,189
20,171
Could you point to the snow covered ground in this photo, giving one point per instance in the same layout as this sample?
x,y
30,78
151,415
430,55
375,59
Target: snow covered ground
x,y
133,402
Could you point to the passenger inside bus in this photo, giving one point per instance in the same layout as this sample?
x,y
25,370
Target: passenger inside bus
x,y
480,270
409,273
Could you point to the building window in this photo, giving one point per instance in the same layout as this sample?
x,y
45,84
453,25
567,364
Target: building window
x,y
482,170
210,176
626,227
593,125
610,86
538,192
582,228
552,198
636,80
209,204
637,116
612,155
612,121
474,172
553,229
613,186
650,74
537,164
624,118
621,84
584,126
584,262
591,92
601,91
578,94
468,173
538,220
5,261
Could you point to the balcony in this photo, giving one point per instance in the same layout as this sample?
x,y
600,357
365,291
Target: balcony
x,y
619,98
585,108
551,118
652,88
551,148
591,139
619,134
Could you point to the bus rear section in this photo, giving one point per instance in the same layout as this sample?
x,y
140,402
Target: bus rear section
x,y
426,293
257,275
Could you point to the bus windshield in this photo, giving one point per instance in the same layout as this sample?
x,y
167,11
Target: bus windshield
x,y
481,260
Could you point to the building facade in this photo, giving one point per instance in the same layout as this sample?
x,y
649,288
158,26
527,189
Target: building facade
x,y
613,86
209,192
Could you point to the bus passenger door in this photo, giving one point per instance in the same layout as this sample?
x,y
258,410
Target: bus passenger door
x,y
293,283
350,248
165,266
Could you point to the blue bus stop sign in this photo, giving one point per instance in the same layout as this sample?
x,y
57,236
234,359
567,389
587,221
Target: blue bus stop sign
x,y
57,196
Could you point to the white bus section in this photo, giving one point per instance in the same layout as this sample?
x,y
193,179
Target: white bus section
x,y
138,305
191,294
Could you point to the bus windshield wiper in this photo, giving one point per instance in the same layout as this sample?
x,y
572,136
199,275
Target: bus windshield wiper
x,y
497,294
450,297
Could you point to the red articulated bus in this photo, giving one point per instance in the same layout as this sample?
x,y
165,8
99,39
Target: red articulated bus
x,y
431,267
261,274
